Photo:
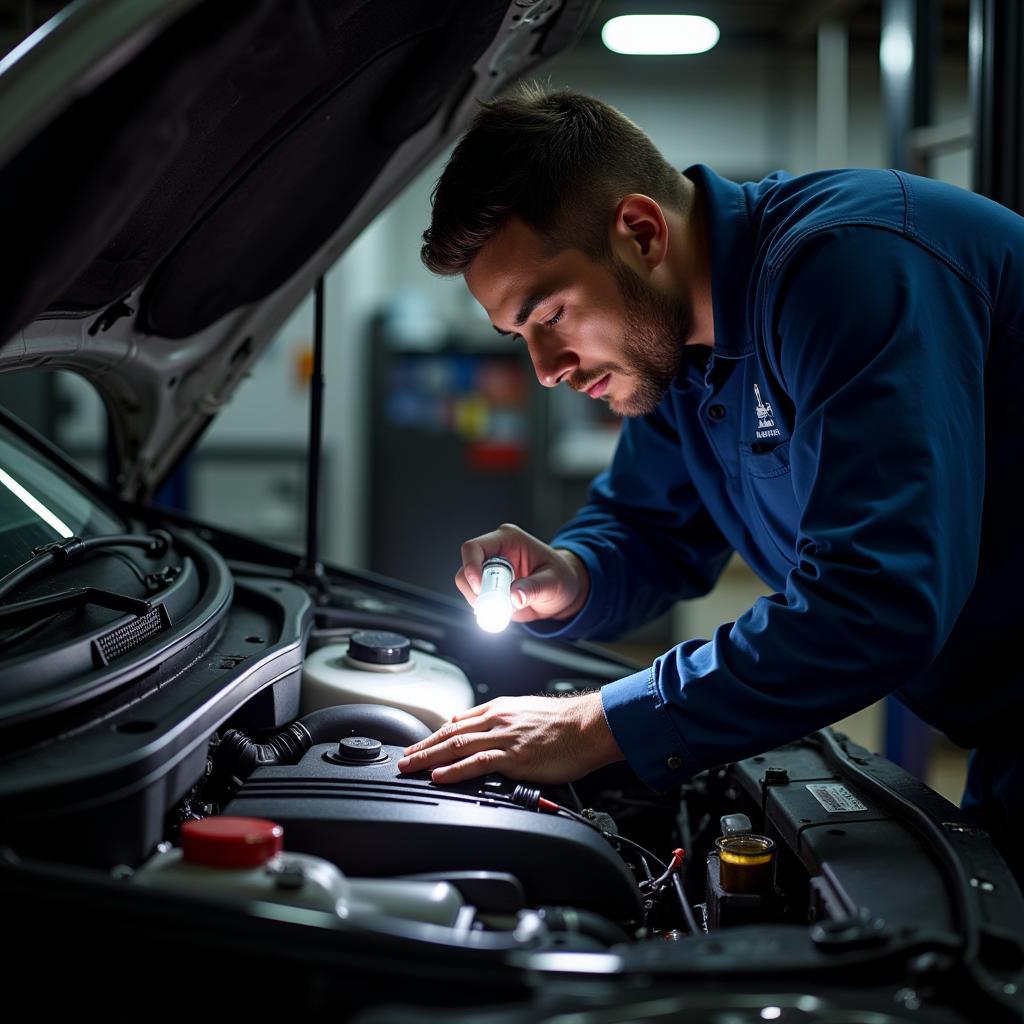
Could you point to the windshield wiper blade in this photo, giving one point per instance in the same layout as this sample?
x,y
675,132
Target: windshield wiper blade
x,y
39,607
65,552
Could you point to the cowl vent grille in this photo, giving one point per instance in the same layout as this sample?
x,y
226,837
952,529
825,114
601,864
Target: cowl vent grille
x,y
120,641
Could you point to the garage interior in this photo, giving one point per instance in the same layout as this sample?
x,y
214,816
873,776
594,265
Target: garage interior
x,y
434,429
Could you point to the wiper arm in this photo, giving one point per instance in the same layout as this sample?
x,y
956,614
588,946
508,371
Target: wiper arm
x,y
66,552
38,607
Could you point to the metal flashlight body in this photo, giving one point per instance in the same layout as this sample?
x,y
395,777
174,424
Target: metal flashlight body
x,y
493,608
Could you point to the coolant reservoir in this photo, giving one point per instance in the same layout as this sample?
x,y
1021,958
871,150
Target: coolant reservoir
x,y
377,667
243,858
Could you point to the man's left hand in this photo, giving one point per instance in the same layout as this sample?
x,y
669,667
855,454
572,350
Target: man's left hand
x,y
540,739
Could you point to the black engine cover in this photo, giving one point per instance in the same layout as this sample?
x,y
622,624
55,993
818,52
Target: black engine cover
x,y
372,821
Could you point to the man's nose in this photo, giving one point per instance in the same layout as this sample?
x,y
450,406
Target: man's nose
x,y
552,361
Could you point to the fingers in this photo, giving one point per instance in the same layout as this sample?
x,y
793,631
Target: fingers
x,y
481,763
544,587
507,540
461,749
465,589
459,757
527,589
457,747
549,583
533,738
451,728
474,712
473,555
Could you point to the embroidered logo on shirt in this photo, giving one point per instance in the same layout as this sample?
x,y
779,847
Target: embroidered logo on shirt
x,y
765,417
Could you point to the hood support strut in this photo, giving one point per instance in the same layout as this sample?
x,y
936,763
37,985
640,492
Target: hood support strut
x,y
311,570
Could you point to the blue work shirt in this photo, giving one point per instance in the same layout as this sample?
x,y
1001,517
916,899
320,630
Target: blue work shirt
x,y
855,436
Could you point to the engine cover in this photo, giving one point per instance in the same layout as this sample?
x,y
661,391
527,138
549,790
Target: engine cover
x,y
358,811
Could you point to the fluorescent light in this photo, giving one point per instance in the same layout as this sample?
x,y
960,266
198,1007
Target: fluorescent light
x,y
659,33
36,505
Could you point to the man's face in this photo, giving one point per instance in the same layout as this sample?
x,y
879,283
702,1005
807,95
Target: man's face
x,y
601,329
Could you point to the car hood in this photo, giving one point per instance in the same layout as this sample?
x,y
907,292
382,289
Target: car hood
x,y
176,174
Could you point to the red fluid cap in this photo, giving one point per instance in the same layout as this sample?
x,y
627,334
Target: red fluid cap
x,y
227,842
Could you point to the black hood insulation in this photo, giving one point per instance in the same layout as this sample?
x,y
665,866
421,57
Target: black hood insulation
x,y
226,153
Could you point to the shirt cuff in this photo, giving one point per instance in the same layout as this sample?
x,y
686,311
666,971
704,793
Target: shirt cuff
x,y
638,719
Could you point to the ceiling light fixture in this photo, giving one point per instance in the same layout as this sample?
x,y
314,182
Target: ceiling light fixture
x,y
659,34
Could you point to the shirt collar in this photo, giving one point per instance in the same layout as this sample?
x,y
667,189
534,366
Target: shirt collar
x,y
732,259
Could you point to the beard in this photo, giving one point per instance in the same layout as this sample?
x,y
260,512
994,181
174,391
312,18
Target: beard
x,y
656,328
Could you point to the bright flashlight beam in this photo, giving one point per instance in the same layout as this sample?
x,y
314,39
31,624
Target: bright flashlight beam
x,y
51,520
493,612
494,602
659,34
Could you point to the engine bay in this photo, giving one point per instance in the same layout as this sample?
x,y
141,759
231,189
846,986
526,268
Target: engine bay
x,y
240,760
760,842
327,693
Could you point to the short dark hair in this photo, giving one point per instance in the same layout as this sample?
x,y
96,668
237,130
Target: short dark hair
x,y
558,159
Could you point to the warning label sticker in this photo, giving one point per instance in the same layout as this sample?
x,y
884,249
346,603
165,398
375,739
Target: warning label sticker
x,y
834,798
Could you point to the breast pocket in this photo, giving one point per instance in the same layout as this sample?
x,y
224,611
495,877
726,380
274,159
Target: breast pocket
x,y
768,491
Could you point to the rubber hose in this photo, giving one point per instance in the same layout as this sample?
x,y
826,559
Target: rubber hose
x,y
238,755
389,725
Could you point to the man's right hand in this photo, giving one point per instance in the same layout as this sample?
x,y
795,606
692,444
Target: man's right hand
x,y
550,583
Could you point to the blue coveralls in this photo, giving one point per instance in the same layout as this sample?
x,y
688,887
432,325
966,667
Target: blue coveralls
x,y
855,435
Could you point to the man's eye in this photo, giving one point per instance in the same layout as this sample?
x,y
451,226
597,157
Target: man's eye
x,y
554,320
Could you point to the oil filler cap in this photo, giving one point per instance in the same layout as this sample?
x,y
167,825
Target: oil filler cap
x,y
230,842
357,750
378,647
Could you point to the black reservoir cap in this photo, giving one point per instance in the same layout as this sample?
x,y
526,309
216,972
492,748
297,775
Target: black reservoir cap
x,y
357,750
379,647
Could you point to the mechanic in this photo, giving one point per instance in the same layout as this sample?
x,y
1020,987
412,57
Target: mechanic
x,y
824,373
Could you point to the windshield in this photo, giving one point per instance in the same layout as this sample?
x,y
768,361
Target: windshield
x,y
39,505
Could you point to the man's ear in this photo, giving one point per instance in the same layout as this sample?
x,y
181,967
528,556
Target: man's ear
x,y
640,231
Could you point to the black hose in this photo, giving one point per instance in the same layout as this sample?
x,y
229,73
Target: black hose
x,y
684,903
65,552
238,755
635,846
389,725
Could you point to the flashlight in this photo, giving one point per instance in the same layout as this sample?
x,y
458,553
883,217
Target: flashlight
x,y
493,608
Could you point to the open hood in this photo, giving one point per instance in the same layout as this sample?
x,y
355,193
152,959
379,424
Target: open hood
x,y
176,174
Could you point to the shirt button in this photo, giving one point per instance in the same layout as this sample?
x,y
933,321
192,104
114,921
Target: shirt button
x,y
674,762
717,412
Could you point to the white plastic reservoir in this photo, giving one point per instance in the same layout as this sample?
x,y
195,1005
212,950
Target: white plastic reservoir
x,y
376,667
243,859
